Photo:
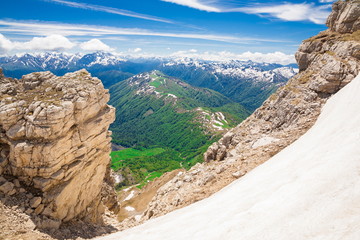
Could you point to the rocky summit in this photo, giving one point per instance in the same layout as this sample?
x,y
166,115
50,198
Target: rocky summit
x,y
55,145
327,62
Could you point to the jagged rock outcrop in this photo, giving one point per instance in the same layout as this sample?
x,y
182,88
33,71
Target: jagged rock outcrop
x,y
327,62
55,144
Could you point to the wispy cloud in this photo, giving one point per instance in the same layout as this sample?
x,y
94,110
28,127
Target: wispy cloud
x,y
109,10
46,28
204,5
134,51
287,11
290,12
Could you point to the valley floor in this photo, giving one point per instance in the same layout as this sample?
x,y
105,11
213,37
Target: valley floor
x,y
310,190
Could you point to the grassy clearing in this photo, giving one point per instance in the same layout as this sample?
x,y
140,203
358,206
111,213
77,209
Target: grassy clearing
x,y
328,35
355,36
117,157
225,124
149,178
155,83
141,166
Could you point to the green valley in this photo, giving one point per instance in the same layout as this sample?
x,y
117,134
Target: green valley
x,y
166,124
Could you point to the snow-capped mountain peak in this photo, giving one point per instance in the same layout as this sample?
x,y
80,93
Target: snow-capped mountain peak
x,y
56,60
261,72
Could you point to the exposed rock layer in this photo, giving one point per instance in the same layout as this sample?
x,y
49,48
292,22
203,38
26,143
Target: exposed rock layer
x,y
327,62
54,140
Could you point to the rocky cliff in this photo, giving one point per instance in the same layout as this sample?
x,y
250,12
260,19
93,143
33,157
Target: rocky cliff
x,y
55,145
327,62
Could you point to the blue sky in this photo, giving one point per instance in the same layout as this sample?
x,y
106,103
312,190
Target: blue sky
x,y
267,30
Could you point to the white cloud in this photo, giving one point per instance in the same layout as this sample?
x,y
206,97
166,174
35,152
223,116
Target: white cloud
x,y
48,43
291,12
133,50
197,4
45,28
327,1
109,10
95,45
5,44
275,57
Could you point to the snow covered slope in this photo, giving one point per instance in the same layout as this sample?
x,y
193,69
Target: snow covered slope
x,y
310,190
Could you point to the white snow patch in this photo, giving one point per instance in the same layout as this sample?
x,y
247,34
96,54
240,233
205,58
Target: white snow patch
x,y
137,217
129,208
119,178
310,190
221,116
217,122
217,127
130,196
172,95
264,141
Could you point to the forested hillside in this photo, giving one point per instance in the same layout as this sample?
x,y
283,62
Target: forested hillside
x,y
158,111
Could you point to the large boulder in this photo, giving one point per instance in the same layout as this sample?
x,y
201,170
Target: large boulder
x,y
54,138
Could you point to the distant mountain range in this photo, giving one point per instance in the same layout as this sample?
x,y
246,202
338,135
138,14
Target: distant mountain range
x,y
64,62
246,82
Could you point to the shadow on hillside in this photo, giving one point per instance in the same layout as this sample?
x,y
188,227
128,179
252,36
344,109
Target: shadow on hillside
x,y
18,222
78,229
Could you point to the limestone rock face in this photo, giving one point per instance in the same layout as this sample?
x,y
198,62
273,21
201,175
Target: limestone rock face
x,y
344,17
327,62
54,139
